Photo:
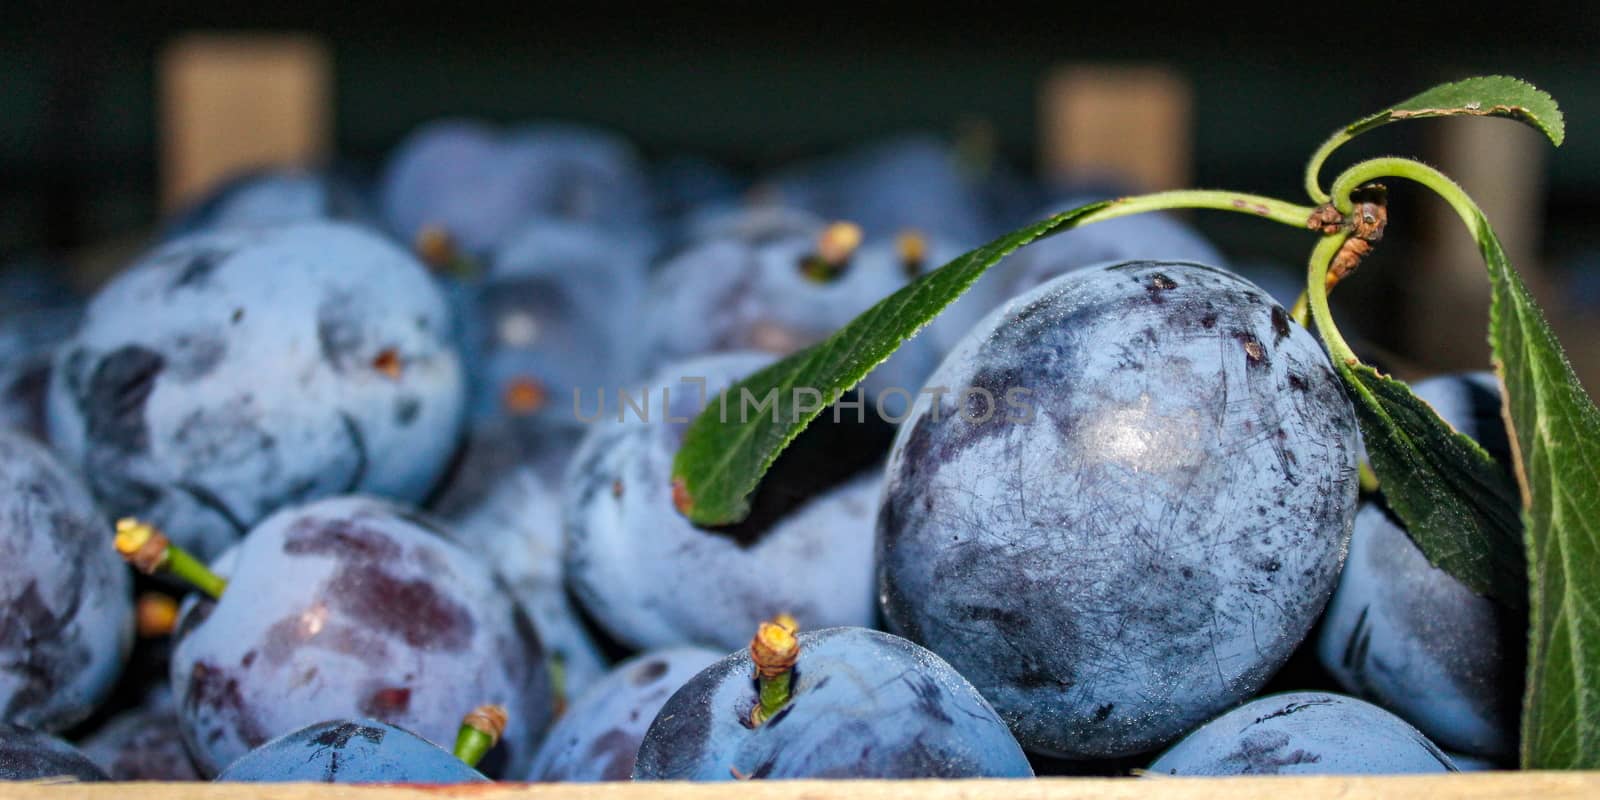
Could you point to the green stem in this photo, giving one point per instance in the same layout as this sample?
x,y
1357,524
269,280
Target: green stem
x,y
1392,167
1314,166
189,569
1255,205
774,693
472,744
1317,296
480,731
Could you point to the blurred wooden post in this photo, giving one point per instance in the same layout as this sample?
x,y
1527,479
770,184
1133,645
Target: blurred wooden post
x,y
1446,308
230,102
1122,122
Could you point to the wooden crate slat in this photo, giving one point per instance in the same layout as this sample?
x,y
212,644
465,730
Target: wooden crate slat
x,y
1466,786
230,102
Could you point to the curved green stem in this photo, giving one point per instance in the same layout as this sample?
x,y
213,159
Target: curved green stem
x,y
1393,167
1314,166
1317,296
1255,205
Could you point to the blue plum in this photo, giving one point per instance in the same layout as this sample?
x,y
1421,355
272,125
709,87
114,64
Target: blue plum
x,y
1304,733
274,197
68,622
1127,509
598,737
353,607
652,579
863,704
911,181
747,287
143,743
27,755
1409,637
505,506
479,184
38,311
228,374
350,751
558,310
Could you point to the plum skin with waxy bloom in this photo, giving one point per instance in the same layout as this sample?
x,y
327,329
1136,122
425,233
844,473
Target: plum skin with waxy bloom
x,y
1148,546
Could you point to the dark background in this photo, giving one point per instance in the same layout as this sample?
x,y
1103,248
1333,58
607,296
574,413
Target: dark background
x,y
758,86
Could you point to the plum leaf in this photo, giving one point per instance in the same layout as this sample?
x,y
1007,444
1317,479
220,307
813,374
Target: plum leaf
x,y
1483,96
1458,504
1555,438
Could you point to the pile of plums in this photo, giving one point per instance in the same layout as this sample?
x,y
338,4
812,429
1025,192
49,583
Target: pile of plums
x,y
387,455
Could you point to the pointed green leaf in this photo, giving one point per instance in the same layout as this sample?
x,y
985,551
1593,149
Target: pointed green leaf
x,y
721,461
1487,96
1459,506
1555,431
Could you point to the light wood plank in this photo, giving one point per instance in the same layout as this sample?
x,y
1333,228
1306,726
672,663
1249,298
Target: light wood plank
x,y
230,102
1475,786
1132,122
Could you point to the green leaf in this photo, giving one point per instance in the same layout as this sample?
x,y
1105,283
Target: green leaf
x,y
1460,507
1555,430
721,461
1488,96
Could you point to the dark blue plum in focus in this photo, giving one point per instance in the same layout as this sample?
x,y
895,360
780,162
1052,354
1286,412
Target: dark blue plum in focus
x,y
350,751
865,704
229,374
67,625
27,755
356,608
1409,637
1304,733
1128,509
598,736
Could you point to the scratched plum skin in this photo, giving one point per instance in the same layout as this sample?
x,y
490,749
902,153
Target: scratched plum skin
x,y
865,704
67,626
350,751
228,374
652,579
1141,541
598,736
1407,636
353,607
28,755
1304,733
